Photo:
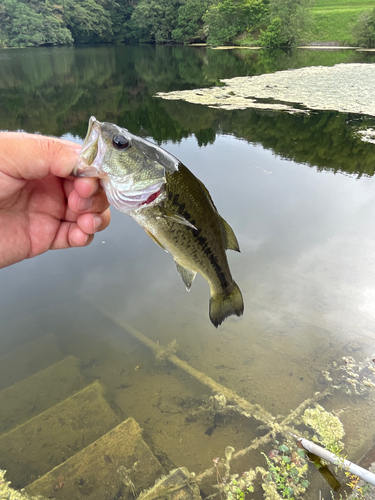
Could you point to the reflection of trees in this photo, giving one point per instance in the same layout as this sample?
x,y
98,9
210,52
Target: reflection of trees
x,y
325,139
54,91
42,88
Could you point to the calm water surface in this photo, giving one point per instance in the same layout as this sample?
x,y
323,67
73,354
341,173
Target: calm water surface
x,y
297,190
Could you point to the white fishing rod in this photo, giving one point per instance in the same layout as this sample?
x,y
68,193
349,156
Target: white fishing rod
x,y
330,457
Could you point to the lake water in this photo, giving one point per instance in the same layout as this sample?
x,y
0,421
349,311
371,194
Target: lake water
x,y
299,193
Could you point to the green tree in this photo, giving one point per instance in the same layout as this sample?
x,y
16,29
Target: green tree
x,y
156,19
88,21
364,30
190,21
226,19
21,25
288,22
271,37
121,13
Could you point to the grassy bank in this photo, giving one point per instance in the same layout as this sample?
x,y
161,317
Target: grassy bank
x,y
333,19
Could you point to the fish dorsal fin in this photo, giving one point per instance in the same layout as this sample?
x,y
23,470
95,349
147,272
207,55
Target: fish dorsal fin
x,y
156,240
170,214
186,275
231,240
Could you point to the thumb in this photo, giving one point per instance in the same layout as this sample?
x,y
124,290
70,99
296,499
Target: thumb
x,y
31,156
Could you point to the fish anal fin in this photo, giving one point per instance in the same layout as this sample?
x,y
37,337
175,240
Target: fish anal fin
x,y
156,240
224,304
187,275
231,240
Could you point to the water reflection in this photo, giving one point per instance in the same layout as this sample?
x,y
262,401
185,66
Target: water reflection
x,y
54,91
307,239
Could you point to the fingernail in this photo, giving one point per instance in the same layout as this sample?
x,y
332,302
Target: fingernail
x,y
84,203
97,221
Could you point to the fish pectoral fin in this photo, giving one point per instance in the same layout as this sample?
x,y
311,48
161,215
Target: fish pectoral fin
x,y
231,243
187,275
169,214
156,240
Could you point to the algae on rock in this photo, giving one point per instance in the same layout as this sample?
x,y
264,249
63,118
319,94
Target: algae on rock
x,y
328,427
8,493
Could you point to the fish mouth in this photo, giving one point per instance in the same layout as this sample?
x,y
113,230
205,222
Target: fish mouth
x,y
91,156
121,191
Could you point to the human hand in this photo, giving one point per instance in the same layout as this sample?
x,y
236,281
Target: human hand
x,y
41,206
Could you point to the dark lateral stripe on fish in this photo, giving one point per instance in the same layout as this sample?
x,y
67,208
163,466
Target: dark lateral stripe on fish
x,y
208,252
203,243
201,239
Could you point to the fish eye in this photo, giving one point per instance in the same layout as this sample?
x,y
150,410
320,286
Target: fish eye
x,y
120,142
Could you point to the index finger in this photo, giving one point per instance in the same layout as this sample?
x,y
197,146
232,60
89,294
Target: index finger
x,y
31,156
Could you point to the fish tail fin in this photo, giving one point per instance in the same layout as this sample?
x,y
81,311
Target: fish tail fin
x,y
225,304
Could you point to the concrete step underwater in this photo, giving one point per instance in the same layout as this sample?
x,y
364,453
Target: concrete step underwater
x,y
26,399
119,465
35,447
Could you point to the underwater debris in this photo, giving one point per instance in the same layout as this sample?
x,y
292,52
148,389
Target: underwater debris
x,y
249,410
8,493
217,407
124,474
287,470
179,484
351,377
164,352
328,427
235,486
284,478
361,489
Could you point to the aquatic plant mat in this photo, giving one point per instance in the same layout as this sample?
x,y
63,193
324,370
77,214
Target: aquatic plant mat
x,y
283,468
347,88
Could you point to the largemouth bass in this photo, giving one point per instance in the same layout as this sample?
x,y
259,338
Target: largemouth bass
x,y
175,209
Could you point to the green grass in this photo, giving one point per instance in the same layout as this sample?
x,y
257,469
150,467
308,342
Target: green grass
x,y
342,4
333,20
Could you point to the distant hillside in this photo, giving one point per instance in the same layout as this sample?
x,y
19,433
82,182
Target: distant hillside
x,y
333,19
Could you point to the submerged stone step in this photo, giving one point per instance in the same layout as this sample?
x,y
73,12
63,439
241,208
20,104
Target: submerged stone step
x,y
26,399
119,465
29,358
35,447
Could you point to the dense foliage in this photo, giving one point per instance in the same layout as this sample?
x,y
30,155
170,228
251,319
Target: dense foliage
x,y
27,24
270,23
190,25
44,22
288,22
227,19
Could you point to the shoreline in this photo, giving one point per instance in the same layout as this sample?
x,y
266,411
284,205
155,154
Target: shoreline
x,y
316,46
